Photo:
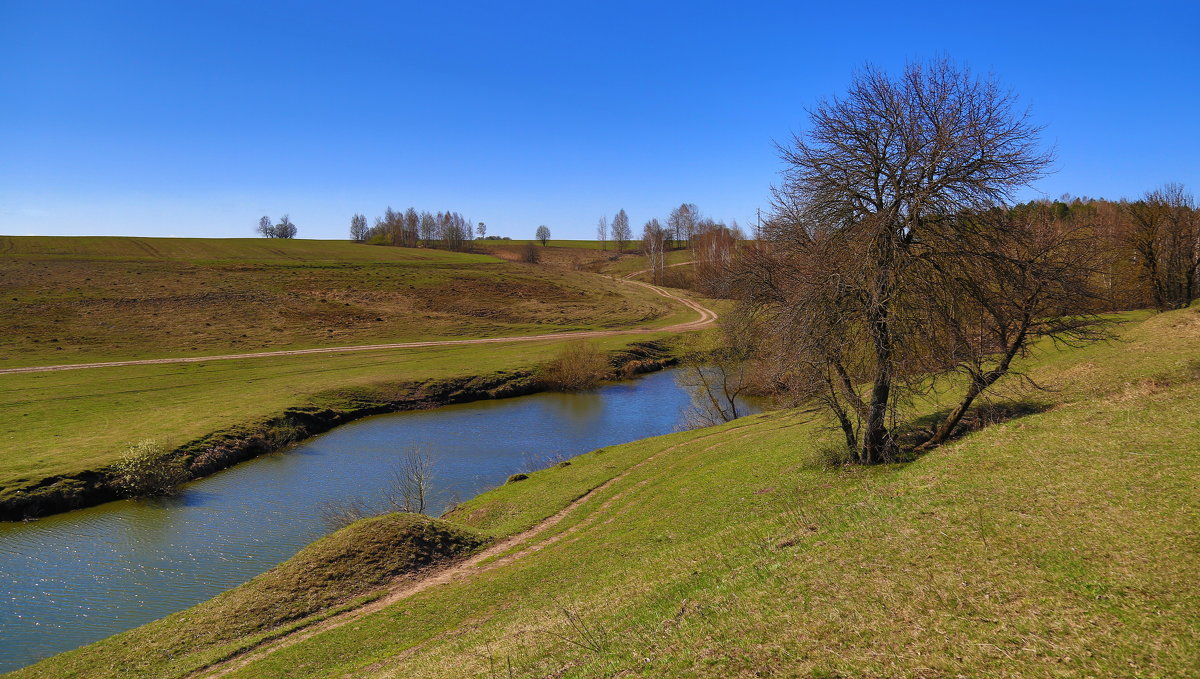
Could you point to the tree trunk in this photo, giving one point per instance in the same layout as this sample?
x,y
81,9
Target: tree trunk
x,y
877,444
979,383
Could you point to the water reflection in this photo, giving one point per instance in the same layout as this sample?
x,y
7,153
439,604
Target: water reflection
x,y
78,577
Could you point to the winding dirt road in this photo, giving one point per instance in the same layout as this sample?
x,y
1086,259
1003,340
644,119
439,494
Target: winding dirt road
x,y
707,317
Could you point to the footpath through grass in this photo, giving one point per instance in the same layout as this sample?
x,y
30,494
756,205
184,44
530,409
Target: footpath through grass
x,y
1060,544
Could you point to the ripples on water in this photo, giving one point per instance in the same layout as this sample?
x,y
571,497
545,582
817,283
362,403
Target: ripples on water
x,y
79,577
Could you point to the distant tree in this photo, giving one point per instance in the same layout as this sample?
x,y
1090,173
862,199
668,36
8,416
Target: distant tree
x,y
682,222
285,228
358,228
428,228
713,248
620,230
265,228
481,230
411,228
543,234
654,245
602,232
530,255
1165,235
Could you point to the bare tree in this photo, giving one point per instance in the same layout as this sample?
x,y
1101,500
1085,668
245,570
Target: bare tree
x,y
683,221
543,234
715,368
358,228
265,228
1166,239
654,243
412,228
879,171
602,232
620,230
530,254
412,482
481,230
714,247
285,228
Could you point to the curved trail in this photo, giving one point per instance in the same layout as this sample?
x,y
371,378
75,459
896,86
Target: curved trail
x,y
707,316
412,584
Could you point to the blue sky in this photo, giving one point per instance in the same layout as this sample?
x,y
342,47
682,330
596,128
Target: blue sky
x,y
197,118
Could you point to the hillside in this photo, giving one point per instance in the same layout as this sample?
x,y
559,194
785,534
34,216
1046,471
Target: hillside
x,y
75,300
89,299
1063,543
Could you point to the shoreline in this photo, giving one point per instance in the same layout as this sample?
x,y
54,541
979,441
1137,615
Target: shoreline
x,y
227,447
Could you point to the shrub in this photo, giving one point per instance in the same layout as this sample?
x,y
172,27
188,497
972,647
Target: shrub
x,y
531,254
833,455
337,514
578,366
148,469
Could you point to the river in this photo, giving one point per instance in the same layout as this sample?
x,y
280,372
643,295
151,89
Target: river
x,y
78,577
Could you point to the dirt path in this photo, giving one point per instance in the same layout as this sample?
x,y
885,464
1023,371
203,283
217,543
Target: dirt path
x,y
707,316
406,587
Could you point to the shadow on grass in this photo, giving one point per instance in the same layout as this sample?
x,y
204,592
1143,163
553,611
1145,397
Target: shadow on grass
x,y
979,417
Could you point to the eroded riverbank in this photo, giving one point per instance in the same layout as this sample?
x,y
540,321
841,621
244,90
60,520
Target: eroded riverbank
x,y
224,448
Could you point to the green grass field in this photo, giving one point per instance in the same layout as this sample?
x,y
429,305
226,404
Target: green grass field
x,y
1059,544
76,300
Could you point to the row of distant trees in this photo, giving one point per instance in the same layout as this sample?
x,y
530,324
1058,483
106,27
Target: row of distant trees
x,y
410,228
284,229
712,242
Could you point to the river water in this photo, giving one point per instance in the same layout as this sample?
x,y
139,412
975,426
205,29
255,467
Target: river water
x,y
72,579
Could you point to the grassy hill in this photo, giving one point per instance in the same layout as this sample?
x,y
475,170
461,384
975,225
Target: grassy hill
x,y
73,300
1058,544
77,300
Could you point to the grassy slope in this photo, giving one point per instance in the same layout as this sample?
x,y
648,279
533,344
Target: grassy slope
x,y
70,300
73,300
1060,544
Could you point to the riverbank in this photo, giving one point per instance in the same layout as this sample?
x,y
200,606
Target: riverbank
x,y
318,413
1061,543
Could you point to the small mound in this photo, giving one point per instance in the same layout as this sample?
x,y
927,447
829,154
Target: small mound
x,y
335,569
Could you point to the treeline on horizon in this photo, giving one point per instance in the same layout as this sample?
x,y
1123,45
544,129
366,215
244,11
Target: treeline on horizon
x,y
452,231
1148,248
410,229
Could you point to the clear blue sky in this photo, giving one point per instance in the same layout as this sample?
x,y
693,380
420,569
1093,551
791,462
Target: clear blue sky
x,y
196,118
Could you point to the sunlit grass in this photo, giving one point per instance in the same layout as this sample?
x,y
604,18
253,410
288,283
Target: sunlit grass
x,y
1061,543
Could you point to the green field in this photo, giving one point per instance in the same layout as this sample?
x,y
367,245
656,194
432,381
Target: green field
x,y
1058,544
75,300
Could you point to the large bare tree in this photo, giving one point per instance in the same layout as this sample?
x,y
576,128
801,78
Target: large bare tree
x,y
878,172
